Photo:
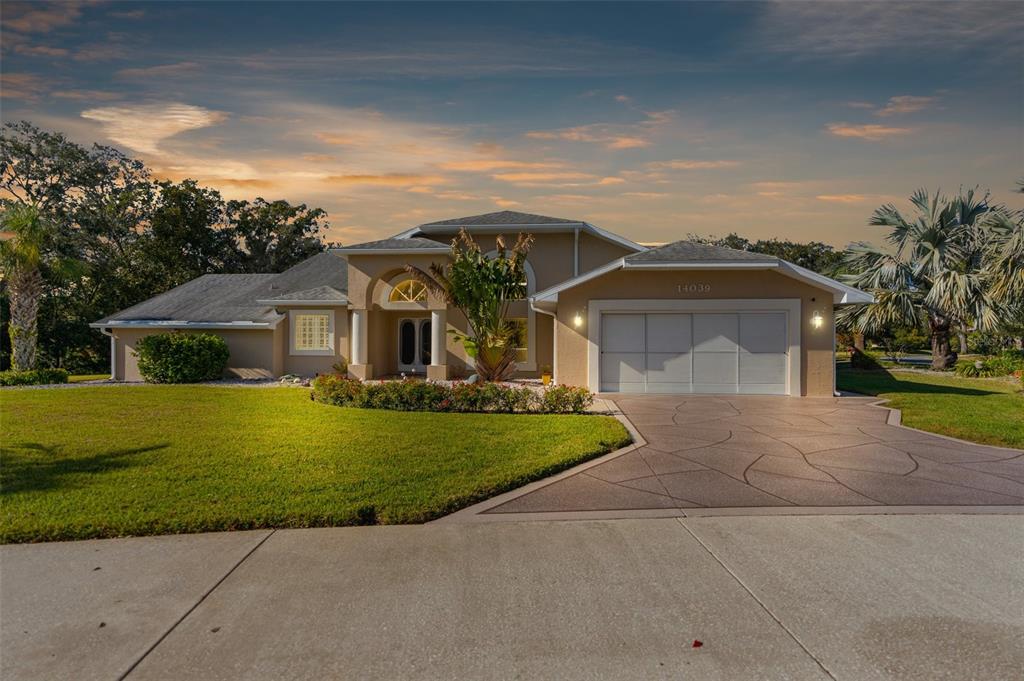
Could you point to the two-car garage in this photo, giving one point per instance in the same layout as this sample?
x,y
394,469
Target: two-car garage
x,y
726,351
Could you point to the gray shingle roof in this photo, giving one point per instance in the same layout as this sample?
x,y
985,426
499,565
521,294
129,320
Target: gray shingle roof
x,y
222,298
395,244
691,251
504,217
327,294
323,269
212,298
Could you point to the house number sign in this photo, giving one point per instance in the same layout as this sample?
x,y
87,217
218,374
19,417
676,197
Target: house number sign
x,y
699,287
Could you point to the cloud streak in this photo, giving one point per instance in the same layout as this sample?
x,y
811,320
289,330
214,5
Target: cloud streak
x,y
869,132
142,128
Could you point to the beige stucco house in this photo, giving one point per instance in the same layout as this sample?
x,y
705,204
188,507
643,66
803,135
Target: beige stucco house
x,y
602,312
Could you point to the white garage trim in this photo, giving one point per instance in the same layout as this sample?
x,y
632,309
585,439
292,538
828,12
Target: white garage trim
x,y
791,306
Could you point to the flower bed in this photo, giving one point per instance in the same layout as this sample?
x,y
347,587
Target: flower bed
x,y
459,396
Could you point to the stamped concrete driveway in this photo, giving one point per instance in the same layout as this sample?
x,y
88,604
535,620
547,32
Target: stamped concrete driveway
x,y
778,454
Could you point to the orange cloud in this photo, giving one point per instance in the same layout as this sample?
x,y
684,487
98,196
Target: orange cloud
x,y
494,164
596,134
28,18
141,128
336,139
317,158
684,164
21,86
386,180
89,95
840,198
246,184
504,203
870,132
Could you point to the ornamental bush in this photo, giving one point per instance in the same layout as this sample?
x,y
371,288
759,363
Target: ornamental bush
x,y
33,377
181,357
413,395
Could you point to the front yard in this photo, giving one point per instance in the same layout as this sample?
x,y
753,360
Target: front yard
x,y
133,460
985,410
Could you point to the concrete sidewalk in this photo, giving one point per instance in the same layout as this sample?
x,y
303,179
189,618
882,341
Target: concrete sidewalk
x,y
844,597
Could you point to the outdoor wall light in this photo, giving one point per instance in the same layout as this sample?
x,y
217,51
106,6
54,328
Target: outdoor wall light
x,y
577,321
817,321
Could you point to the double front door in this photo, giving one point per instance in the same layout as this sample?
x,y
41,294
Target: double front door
x,y
413,345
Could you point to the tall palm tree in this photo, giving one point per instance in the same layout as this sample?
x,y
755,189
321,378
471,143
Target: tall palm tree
x,y
25,237
933,273
1004,264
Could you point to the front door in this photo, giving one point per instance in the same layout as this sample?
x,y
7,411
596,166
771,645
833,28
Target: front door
x,y
413,345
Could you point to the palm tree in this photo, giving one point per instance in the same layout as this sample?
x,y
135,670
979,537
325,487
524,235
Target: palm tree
x,y
25,238
1004,266
934,273
482,288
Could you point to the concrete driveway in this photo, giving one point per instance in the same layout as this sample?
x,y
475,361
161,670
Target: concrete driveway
x,y
829,597
700,455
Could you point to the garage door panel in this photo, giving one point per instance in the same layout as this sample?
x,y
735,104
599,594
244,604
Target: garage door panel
x,y
622,333
669,333
762,368
621,370
714,368
663,367
763,332
715,332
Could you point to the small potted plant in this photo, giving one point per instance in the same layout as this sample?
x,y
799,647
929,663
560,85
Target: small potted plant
x,y
545,374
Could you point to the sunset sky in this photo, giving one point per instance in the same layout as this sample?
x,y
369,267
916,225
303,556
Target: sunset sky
x,y
790,120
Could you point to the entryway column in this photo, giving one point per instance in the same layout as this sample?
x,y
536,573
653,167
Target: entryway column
x,y
438,369
357,361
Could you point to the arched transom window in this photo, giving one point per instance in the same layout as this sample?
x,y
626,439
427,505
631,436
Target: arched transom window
x,y
408,291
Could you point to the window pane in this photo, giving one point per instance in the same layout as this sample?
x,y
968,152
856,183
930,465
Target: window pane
x,y
408,291
407,343
521,339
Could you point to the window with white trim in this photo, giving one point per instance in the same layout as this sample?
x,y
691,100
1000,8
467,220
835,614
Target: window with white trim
x,y
311,332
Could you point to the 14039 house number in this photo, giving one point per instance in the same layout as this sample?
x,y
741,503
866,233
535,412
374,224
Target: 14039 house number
x,y
699,287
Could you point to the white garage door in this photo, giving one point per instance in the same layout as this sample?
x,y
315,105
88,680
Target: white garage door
x,y
728,352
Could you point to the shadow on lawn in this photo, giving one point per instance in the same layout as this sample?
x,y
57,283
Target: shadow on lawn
x,y
875,382
44,467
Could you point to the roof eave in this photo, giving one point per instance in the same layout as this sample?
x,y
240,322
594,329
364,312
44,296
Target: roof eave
x,y
283,303
700,265
184,324
392,251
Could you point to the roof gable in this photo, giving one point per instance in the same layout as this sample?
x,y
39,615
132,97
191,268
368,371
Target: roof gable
x,y
694,252
502,217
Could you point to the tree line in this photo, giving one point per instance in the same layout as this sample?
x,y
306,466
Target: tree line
x,y
105,235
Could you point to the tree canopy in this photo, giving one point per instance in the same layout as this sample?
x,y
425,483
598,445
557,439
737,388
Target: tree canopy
x,y
135,236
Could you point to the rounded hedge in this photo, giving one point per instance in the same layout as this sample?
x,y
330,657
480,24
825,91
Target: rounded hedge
x,y
181,357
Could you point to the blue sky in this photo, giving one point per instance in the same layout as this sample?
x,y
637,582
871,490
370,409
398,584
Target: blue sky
x,y
792,120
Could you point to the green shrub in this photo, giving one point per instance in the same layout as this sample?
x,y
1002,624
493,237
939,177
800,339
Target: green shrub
x,y
413,395
181,357
33,377
566,399
1007,362
969,368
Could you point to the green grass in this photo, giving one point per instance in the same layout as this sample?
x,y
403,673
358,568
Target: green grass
x,y
115,461
985,410
81,378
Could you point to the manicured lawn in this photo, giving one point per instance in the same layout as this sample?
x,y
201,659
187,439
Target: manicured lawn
x,y
81,378
113,461
986,410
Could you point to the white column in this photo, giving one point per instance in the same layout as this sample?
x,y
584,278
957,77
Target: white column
x,y
437,334
358,332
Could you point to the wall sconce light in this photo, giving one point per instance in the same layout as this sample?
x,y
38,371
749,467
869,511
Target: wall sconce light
x,y
817,321
577,321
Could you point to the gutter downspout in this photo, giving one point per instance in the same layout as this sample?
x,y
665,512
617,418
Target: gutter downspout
x,y
835,370
113,353
554,340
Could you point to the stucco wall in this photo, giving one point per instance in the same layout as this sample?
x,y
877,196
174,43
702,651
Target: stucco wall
x,y
249,348
816,374
310,365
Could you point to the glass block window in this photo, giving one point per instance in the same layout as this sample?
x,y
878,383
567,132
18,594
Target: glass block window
x,y
408,291
312,332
